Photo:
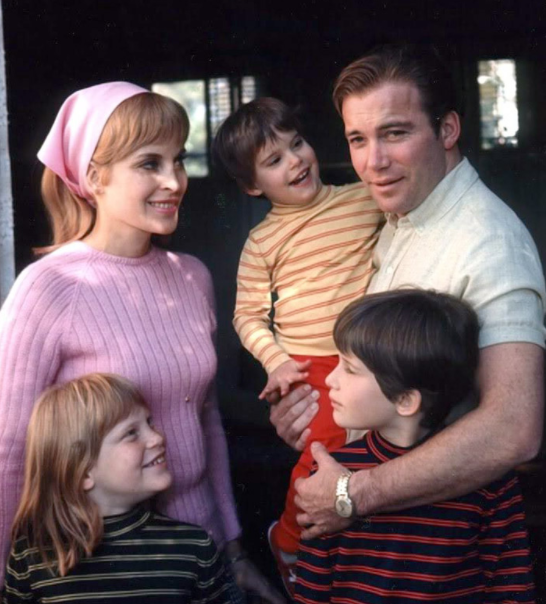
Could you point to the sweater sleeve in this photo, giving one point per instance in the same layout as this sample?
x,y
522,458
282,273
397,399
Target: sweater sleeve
x,y
253,307
17,588
32,321
211,584
216,445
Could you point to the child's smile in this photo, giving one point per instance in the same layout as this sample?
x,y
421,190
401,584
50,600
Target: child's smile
x,y
286,171
131,466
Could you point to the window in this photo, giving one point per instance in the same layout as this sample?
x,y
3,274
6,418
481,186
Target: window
x,y
208,103
498,103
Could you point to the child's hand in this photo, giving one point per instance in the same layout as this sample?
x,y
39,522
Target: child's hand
x,y
251,580
284,376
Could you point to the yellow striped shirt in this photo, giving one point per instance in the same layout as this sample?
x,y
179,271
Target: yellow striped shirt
x,y
314,259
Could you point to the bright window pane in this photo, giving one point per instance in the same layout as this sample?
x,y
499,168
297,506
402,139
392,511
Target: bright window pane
x,y
220,102
191,95
498,103
248,89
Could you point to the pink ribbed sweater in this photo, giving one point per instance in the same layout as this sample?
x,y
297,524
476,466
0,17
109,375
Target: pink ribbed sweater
x,y
150,319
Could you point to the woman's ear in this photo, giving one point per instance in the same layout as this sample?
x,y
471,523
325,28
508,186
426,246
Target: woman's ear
x,y
409,403
94,179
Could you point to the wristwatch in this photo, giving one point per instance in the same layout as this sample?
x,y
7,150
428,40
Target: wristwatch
x,y
344,505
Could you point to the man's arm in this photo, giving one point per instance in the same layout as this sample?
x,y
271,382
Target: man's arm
x,y
504,430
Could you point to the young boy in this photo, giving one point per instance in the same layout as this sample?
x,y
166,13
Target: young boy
x,y
313,251
407,358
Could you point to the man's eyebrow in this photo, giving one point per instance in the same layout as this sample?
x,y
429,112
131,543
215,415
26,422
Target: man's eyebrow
x,y
352,133
408,124
397,124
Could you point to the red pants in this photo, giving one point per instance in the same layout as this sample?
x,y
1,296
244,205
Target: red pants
x,y
325,431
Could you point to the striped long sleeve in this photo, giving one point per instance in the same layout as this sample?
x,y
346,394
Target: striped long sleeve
x,y
314,260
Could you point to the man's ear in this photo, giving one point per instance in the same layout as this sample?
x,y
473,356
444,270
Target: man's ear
x,y
450,129
409,403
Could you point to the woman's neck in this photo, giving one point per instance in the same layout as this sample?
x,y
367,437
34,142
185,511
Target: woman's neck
x,y
128,247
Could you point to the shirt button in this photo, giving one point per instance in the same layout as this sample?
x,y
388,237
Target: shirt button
x,y
390,270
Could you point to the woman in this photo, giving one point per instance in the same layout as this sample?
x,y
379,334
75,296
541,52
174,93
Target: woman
x,y
105,300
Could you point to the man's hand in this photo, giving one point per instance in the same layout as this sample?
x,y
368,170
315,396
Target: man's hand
x,y
284,376
316,496
292,415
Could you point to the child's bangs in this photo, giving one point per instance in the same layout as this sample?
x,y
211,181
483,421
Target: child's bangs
x,y
355,334
110,400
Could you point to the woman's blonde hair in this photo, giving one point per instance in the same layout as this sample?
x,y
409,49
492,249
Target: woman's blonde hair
x,y
65,434
140,120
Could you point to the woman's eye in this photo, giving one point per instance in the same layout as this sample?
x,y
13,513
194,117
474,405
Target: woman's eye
x,y
298,142
274,160
131,433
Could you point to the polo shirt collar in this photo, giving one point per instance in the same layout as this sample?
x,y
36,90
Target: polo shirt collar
x,y
444,196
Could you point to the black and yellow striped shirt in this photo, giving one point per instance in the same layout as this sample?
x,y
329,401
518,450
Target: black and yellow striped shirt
x,y
143,558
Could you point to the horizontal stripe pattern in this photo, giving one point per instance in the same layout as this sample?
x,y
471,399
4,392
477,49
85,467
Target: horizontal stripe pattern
x,y
315,260
143,558
469,550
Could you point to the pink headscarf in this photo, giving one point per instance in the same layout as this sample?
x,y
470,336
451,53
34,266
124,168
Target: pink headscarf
x,y
73,138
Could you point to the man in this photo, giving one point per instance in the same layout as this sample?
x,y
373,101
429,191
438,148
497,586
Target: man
x,y
445,231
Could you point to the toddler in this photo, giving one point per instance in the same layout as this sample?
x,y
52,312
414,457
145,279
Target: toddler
x,y
312,253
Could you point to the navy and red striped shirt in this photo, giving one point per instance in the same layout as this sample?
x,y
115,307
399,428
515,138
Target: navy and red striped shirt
x,y
469,550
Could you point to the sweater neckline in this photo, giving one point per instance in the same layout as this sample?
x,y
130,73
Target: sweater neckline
x,y
114,526
151,255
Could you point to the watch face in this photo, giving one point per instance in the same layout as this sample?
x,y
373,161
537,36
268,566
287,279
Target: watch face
x,y
344,508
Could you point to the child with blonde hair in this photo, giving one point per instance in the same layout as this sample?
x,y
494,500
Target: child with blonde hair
x,y
84,529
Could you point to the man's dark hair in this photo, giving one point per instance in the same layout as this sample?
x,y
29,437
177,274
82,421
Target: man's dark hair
x,y
246,132
409,63
413,339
